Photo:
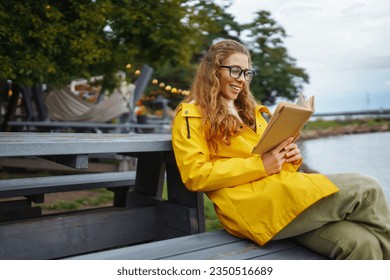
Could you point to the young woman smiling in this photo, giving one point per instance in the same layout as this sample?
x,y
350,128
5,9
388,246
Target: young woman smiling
x,y
264,197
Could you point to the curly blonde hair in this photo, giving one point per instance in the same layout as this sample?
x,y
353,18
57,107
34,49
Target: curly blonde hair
x,y
205,92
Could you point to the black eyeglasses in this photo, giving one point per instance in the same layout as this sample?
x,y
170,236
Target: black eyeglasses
x,y
235,72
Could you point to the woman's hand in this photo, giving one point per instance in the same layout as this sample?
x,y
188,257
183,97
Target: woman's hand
x,y
287,151
293,154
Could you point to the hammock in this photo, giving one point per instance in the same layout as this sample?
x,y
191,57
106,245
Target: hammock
x,y
63,105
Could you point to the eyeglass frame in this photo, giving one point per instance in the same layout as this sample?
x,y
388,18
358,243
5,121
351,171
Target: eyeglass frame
x,y
241,72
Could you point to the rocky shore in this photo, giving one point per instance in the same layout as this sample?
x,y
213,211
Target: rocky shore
x,y
342,130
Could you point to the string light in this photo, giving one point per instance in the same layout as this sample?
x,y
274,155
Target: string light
x,y
161,84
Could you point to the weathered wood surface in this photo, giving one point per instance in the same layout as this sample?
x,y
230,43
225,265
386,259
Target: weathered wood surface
x,y
215,245
41,144
53,184
69,124
36,163
58,236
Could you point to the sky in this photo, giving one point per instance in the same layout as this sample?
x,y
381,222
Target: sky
x,y
344,46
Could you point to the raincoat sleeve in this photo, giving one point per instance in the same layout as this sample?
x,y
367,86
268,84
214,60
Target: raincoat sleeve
x,y
198,171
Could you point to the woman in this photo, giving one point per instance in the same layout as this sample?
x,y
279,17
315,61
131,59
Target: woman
x,y
263,197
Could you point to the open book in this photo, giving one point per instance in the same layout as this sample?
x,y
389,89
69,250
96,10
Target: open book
x,y
286,121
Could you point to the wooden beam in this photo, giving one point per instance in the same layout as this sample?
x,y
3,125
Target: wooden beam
x,y
22,214
185,221
74,161
72,234
37,95
11,108
35,163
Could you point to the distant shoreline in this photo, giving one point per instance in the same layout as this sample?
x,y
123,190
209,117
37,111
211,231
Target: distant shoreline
x,y
343,130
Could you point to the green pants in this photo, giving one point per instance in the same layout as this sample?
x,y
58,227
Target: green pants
x,y
351,224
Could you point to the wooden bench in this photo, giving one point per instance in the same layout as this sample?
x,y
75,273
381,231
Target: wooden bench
x,y
139,214
214,245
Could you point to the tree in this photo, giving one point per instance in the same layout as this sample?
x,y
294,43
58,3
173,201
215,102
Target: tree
x,y
276,72
52,43
205,21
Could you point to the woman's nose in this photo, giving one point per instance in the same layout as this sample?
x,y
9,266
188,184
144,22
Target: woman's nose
x,y
241,78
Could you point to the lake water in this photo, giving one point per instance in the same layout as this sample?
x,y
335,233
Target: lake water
x,y
362,153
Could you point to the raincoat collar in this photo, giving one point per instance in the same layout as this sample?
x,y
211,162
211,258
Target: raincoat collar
x,y
190,110
263,109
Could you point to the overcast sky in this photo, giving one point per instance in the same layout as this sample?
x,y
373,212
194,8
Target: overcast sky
x,y
344,45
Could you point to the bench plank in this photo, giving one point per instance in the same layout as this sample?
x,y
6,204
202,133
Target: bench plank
x,y
164,249
44,144
246,250
52,184
216,245
36,163
295,253
66,235
70,124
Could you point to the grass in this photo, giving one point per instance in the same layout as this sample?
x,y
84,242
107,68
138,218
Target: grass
x,y
99,197
212,221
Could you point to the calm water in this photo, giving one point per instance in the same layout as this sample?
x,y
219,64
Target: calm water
x,y
361,153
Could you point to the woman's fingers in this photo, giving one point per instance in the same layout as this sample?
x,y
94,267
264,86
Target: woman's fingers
x,y
283,145
293,154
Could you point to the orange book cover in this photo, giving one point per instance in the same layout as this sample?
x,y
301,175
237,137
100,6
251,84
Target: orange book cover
x,y
287,121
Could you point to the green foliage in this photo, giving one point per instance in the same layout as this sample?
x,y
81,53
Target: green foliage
x,y
276,72
53,42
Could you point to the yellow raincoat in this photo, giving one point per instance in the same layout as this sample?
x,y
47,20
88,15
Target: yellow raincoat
x,y
249,203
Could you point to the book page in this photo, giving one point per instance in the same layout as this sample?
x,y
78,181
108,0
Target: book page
x,y
309,103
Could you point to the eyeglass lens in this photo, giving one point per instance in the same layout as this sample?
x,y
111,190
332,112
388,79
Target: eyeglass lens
x,y
235,72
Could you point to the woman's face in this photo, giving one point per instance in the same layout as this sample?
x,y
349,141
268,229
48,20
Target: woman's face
x,y
231,87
